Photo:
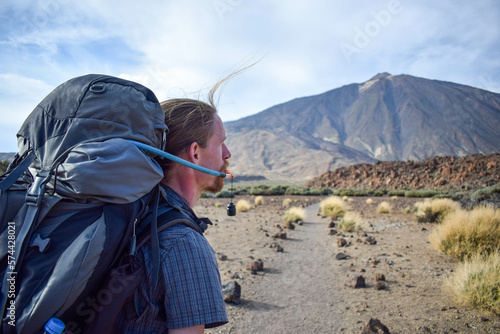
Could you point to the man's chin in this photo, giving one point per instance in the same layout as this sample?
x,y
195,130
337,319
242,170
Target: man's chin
x,y
218,183
216,187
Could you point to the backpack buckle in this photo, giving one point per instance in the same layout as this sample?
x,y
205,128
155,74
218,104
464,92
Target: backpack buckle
x,y
35,193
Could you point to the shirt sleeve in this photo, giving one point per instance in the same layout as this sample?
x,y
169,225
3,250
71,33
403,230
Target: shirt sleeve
x,y
193,291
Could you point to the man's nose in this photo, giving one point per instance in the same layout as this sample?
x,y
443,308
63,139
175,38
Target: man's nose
x,y
226,154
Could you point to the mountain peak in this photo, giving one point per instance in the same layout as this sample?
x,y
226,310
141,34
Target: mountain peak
x,y
380,76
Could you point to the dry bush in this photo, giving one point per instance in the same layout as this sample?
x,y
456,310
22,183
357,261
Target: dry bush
x,y
218,205
394,198
333,206
259,200
384,207
369,201
435,210
287,202
476,282
243,205
351,222
344,198
464,234
294,214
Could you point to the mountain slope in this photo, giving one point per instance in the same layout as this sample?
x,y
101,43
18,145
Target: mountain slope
x,y
387,118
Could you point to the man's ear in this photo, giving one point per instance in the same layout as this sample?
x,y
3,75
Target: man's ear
x,y
194,152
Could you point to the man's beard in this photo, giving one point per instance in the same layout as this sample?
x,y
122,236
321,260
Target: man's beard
x,y
218,183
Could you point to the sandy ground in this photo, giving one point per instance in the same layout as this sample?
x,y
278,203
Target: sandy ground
x,y
305,288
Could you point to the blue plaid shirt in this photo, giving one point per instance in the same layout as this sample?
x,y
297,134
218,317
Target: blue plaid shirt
x,y
189,291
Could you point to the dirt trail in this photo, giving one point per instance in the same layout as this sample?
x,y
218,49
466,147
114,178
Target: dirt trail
x,y
297,291
304,289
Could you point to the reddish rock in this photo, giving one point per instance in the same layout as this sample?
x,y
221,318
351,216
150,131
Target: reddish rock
x,y
257,265
447,173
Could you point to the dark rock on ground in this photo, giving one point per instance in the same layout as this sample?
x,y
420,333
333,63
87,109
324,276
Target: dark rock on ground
x,y
357,282
232,292
257,265
374,326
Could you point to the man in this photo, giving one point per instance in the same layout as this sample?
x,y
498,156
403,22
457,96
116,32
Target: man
x,y
188,297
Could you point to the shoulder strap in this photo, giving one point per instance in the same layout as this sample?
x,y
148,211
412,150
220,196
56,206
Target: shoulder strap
x,y
175,217
17,171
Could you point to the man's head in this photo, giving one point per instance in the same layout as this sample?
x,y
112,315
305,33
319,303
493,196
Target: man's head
x,y
194,126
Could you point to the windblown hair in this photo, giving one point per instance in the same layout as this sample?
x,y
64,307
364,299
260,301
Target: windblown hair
x,y
190,120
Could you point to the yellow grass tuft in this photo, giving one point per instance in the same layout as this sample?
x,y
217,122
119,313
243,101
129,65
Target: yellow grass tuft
x,y
435,210
294,214
369,201
351,222
464,234
218,205
259,200
287,202
333,206
384,207
394,198
243,205
476,282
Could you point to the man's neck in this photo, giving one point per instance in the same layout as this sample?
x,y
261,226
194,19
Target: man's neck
x,y
184,188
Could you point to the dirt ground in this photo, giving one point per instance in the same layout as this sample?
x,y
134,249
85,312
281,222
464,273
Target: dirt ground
x,y
306,289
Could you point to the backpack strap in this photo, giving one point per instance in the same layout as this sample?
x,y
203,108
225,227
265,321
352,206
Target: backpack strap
x,y
34,198
17,171
175,217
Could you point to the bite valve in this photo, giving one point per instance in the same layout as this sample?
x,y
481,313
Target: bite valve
x,y
231,208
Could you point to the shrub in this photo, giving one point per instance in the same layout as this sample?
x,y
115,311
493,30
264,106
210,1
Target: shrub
x,y
476,282
464,234
243,205
3,166
259,200
422,193
369,201
406,210
485,193
333,206
435,210
267,191
218,205
350,222
399,193
347,192
344,198
308,191
384,207
394,198
287,202
224,194
294,214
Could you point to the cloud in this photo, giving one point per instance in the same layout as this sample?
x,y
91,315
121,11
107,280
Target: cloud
x,y
182,47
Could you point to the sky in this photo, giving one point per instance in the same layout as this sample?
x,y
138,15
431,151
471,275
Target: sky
x,y
181,48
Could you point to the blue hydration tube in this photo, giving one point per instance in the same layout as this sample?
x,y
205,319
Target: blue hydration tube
x,y
179,160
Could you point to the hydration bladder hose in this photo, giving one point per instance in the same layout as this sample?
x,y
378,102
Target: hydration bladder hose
x,y
180,161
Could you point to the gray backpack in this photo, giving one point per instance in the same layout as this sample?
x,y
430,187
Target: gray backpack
x,y
72,197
